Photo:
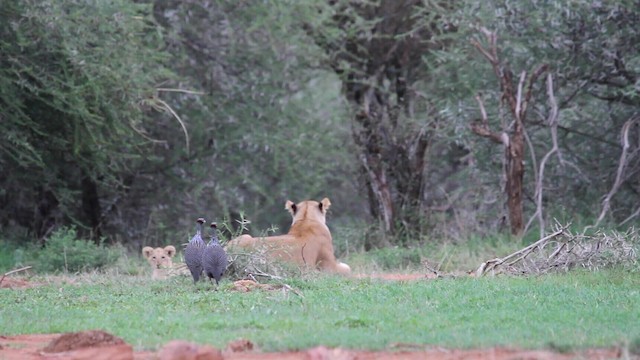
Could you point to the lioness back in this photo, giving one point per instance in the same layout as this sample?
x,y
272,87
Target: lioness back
x,y
308,242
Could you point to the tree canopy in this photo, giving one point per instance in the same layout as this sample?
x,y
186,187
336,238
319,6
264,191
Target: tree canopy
x,y
419,119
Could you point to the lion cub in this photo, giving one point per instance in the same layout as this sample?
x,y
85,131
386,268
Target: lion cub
x,y
160,259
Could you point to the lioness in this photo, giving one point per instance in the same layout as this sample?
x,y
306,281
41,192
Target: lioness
x,y
308,242
160,260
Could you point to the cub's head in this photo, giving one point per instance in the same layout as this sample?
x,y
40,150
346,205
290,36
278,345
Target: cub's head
x,y
159,258
308,210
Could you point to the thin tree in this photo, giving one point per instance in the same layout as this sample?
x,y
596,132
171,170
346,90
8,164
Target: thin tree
x,y
517,99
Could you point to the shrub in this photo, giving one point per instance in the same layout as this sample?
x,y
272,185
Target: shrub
x,y
65,252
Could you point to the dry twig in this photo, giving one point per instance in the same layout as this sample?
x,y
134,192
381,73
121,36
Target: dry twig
x,y
14,271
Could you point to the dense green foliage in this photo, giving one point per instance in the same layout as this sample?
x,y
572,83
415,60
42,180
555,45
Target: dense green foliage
x,y
129,119
588,309
75,76
66,252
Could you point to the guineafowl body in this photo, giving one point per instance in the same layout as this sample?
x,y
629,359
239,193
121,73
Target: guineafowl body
x,y
193,252
214,258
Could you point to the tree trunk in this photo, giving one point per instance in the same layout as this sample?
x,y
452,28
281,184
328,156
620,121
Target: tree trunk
x,y
517,98
377,49
515,174
393,164
91,205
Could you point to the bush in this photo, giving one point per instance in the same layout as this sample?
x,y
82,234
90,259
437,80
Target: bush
x,y
65,252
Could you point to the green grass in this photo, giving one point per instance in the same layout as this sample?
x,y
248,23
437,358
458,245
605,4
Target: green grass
x,y
446,257
569,311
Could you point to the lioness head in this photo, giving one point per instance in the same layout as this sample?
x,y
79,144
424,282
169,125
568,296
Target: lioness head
x,y
308,210
159,258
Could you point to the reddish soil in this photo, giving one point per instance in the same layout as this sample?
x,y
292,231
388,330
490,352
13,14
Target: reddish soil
x,y
15,283
98,345
73,341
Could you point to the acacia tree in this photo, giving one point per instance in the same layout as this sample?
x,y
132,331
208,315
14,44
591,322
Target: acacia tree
x,y
262,128
73,76
592,54
378,50
517,99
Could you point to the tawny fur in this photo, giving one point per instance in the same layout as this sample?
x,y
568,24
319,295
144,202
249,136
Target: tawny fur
x,y
160,259
308,242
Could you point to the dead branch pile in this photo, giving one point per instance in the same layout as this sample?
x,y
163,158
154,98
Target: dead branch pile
x,y
563,250
257,264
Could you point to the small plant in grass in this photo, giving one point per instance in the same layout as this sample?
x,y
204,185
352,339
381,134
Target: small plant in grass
x,y
64,251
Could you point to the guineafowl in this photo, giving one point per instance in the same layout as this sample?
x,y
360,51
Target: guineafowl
x,y
214,258
193,252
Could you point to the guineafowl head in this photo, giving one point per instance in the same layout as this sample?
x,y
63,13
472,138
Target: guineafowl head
x,y
214,234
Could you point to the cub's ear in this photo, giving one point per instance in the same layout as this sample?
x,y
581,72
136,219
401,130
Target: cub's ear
x,y
170,250
147,251
324,205
289,205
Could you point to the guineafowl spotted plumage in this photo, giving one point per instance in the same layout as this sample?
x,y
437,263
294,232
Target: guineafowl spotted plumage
x,y
214,258
193,252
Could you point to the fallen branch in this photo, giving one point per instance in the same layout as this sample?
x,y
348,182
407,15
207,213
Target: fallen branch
x,y
13,272
491,265
562,251
258,272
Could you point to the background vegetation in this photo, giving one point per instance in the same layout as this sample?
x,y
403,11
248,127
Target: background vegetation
x,y
129,119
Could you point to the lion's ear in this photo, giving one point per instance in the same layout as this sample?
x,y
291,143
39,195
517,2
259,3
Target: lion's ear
x,y
289,205
324,205
147,251
170,250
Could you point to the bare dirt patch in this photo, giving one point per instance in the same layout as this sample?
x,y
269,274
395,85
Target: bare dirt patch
x,y
97,345
16,283
83,339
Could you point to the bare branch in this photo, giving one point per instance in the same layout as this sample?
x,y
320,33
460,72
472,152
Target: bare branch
x,y
535,174
483,112
635,213
622,163
492,38
484,51
184,91
532,80
553,124
161,105
518,112
481,127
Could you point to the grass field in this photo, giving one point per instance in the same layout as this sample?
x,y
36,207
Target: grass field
x,y
569,311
